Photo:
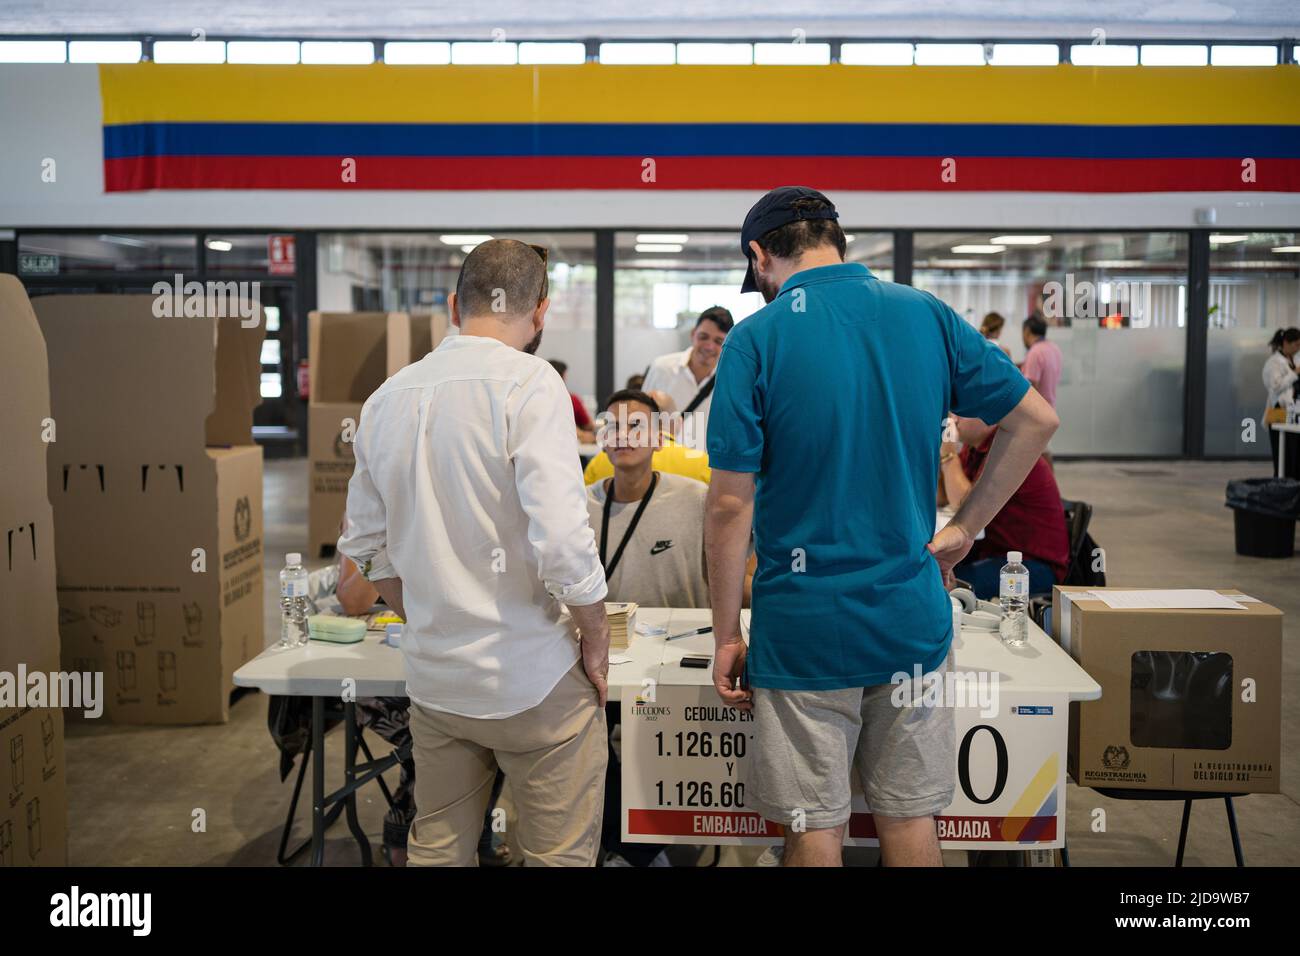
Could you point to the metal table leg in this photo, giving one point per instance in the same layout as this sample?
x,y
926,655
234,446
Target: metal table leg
x,y
1232,828
326,807
350,779
1182,833
370,758
318,781
285,856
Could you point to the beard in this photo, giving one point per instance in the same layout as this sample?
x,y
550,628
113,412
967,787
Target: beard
x,y
766,287
534,344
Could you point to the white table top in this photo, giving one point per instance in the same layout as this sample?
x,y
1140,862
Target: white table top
x,y
318,669
1293,427
1042,666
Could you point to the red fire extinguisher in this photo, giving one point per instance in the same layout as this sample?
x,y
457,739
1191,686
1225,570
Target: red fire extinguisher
x,y
304,380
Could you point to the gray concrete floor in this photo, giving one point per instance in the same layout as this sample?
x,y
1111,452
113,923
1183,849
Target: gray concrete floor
x,y
133,790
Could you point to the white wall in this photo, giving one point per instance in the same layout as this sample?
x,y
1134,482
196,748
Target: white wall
x,y
54,111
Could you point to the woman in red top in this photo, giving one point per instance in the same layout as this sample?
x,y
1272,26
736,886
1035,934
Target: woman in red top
x,y
581,418
1031,522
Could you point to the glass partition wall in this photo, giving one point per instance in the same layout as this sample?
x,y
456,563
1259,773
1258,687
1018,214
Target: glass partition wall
x,y
664,280
414,272
1115,303
1254,291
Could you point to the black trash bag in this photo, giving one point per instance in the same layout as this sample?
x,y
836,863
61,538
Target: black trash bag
x,y
1275,497
1086,571
289,720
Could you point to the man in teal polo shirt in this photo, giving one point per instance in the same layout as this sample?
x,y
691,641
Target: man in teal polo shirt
x,y
825,437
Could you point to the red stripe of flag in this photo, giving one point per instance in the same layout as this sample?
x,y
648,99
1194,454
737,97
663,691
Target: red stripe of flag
x,y
867,173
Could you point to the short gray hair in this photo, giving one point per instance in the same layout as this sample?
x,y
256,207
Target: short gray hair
x,y
504,277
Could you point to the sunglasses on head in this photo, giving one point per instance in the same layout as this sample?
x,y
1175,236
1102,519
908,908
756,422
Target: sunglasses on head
x,y
544,255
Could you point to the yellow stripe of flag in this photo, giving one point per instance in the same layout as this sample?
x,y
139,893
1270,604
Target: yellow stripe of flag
x,y
1032,798
592,93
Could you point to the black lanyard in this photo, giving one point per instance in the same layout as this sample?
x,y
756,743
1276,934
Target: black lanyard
x,y
705,391
627,535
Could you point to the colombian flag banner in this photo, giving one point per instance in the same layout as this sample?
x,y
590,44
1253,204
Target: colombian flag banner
x,y
932,129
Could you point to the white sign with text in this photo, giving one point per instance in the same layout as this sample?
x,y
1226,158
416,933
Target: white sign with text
x,y
686,763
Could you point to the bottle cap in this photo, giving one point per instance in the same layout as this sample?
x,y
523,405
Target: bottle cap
x,y
293,557
1013,557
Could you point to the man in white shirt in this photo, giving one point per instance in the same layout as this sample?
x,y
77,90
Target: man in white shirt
x,y
467,512
688,376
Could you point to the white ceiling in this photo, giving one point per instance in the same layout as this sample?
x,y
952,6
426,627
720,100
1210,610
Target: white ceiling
x,y
524,19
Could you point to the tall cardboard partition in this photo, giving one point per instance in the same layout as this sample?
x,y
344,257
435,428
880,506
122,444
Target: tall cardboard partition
x,y
410,338
350,355
34,817
157,492
439,328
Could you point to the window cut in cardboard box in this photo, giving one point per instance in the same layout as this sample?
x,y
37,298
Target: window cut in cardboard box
x,y
1181,699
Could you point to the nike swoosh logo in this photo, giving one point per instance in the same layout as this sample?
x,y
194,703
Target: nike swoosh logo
x,y
660,547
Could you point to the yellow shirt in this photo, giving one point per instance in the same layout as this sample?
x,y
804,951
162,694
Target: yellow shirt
x,y
671,458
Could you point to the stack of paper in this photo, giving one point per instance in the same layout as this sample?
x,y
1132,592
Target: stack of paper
x,y
622,622
1178,599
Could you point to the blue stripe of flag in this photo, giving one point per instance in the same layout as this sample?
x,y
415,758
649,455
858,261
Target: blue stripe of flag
x,y
698,139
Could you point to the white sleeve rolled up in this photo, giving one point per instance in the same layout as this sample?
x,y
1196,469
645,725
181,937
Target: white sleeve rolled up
x,y
543,447
365,526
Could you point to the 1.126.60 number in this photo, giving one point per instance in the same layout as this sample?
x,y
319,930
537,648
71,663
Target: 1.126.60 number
x,y
701,793
703,743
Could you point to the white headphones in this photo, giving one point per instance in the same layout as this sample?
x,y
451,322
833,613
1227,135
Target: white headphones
x,y
976,614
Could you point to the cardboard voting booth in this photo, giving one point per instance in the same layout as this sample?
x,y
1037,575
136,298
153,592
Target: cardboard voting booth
x,y
33,815
350,355
1191,695
157,492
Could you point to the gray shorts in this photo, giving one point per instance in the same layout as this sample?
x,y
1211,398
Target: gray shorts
x,y
806,743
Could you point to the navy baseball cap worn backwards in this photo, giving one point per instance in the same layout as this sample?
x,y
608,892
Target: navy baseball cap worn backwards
x,y
773,211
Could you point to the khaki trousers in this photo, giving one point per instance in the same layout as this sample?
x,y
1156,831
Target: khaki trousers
x,y
554,758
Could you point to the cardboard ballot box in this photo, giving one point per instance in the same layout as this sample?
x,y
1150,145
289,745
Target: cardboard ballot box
x,y
1191,696
34,815
157,493
350,355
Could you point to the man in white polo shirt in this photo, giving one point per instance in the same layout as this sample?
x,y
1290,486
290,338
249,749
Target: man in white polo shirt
x,y
467,512
687,377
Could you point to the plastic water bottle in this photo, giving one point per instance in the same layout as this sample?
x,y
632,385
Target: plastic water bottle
x,y
1013,595
294,606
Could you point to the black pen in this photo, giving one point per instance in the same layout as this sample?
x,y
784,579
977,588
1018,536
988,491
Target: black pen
x,y
698,630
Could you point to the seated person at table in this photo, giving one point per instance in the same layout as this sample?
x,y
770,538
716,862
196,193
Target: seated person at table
x,y
670,456
389,717
649,524
1031,522
649,527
